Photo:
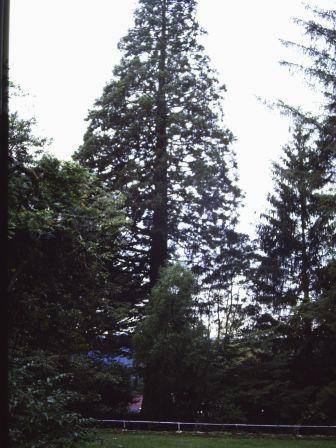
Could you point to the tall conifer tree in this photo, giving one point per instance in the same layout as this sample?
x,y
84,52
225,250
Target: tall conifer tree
x,y
297,231
296,240
320,72
292,284
157,135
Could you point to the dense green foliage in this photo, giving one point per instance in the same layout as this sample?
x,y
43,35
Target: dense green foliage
x,y
40,403
170,345
66,294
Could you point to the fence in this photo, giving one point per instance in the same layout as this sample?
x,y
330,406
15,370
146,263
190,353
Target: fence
x,y
298,430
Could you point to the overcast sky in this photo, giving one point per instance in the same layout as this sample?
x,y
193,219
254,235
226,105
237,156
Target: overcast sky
x,y
62,53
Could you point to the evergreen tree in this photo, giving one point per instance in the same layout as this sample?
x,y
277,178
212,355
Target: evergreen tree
x,y
157,135
290,334
297,231
320,73
171,349
317,262
296,239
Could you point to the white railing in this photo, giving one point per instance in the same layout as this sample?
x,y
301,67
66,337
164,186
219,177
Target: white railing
x,y
297,429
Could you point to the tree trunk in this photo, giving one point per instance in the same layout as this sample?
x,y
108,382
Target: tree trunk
x,y
159,237
305,281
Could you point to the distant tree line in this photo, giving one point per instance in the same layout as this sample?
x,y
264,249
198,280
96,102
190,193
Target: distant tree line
x,y
133,249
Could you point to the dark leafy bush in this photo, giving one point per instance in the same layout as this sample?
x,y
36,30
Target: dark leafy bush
x,y
41,396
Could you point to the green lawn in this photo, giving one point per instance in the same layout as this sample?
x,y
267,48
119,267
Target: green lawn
x,y
113,439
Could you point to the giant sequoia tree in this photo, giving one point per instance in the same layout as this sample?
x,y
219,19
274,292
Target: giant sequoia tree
x,y
156,134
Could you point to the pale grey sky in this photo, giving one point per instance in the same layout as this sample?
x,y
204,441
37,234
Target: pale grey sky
x,y
62,53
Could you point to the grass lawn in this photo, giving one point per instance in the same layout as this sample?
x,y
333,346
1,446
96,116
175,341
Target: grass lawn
x,y
112,439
